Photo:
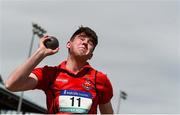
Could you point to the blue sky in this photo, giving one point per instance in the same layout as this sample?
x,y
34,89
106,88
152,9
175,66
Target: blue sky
x,y
138,45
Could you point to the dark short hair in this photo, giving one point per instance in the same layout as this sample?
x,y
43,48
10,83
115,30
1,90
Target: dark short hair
x,y
88,32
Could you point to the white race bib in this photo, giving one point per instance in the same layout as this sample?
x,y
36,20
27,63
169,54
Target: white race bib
x,y
75,101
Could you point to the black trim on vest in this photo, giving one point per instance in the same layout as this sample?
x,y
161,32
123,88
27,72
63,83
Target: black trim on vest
x,y
57,71
95,81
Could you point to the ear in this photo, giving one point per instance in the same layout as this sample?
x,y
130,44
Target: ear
x,y
91,55
68,44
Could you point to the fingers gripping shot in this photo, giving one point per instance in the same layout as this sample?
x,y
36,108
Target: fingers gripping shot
x,y
73,86
51,43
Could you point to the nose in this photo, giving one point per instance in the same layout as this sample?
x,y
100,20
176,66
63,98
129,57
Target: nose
x,y
85,42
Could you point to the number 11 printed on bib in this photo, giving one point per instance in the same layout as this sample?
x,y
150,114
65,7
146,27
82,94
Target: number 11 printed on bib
x,y
75,101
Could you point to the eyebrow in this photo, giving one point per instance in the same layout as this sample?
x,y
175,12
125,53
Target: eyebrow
x,y
85,35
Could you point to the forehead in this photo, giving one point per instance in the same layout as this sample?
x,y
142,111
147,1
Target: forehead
x,y
84,35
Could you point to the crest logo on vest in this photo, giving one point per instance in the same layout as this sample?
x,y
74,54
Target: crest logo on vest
x,y
87,84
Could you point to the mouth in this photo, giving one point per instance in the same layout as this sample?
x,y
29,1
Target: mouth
x,y
83,48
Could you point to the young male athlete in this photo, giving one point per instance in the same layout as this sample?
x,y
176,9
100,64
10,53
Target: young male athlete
x,y
71,87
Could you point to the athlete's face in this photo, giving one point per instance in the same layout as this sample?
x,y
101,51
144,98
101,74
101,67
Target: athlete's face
x,y
81,46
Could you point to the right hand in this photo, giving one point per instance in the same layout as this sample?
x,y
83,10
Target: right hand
x,y
46,51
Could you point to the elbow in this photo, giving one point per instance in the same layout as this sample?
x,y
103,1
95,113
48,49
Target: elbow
x,y
8,86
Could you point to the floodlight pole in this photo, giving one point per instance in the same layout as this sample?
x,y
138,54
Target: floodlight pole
x,y
122,95
37,30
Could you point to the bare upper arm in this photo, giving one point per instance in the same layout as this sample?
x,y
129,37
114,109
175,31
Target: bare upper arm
x,y
31,82
106,108
28,84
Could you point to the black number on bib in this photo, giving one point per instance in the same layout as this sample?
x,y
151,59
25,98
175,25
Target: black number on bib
x,y
78,99
72,101
79,102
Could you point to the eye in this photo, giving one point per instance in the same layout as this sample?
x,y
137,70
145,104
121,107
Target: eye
x,y
81,38
91,42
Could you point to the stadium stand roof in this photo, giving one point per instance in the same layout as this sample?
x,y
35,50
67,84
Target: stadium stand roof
x,y
9,101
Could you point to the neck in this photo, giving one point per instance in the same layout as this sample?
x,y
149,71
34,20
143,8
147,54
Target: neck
x,y
74,64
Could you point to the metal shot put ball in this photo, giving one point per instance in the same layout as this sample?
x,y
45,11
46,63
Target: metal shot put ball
x,y
51,43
